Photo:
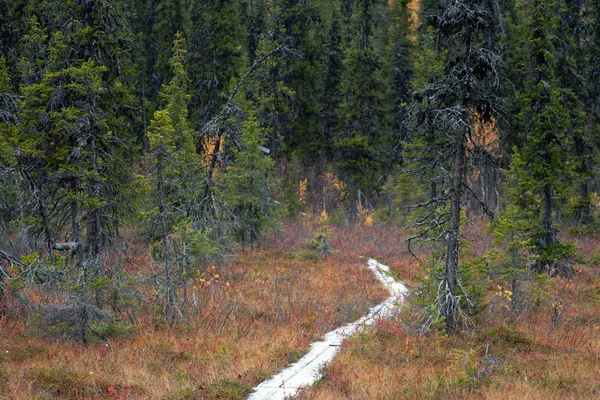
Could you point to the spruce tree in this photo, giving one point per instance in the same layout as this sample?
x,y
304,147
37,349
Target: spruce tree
x,y
545,121
363,136
332,95
170,17
175,182
7,35
402,69
81,161
216,56
9,204
255,14
444,141
570,71
247,186
73,144
297,23
34,53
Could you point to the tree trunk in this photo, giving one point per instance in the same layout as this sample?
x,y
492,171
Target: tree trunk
x,y
81,304
93,237
585,211
585,208
548,223
170,295
450,302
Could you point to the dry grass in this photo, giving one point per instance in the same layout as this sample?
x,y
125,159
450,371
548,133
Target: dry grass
x,y
262,311
551,350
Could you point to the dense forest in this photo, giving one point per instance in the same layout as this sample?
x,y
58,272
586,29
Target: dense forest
x,y
179,131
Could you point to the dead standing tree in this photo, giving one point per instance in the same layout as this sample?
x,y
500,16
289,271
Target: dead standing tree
x,y
446,115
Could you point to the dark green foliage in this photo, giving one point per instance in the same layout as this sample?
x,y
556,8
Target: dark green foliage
x,y
176,187
216,55
332,94
72,147
247,186
359,156
402,72
351,91
543,157
255,14
299,24
170,17
571,58
7,36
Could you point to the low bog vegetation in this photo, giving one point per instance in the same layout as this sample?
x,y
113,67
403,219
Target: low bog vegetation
x,y
547,349
247,320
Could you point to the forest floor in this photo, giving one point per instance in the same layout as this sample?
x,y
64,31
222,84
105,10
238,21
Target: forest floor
x,y
550,349
262,309
254,315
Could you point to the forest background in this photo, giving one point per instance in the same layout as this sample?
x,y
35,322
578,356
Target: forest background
x,y
144,143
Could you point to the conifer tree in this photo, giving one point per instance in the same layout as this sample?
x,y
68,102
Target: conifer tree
x,y
332,95
216,56
364,134
545,122
570,68
255,12
269,95
444,143
248,184
297,23
170,17
402,68
34,53
81,162
7,35
72,143
8,132
176,174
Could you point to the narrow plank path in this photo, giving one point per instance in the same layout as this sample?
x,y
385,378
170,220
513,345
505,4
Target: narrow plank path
x,y
307,370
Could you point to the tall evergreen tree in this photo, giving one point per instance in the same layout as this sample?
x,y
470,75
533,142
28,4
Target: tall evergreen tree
x,y
364,134
7,35
332,95
34,53
448,114
175,179
570,67
170,17
255,12
8,132
545,121
297,23
72,141
402,68
248,185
